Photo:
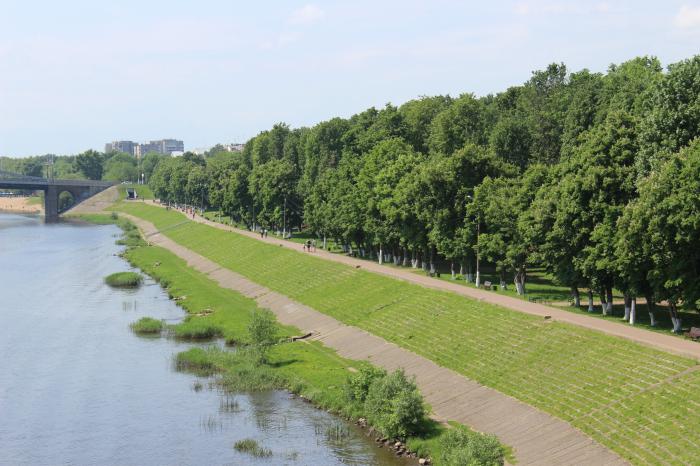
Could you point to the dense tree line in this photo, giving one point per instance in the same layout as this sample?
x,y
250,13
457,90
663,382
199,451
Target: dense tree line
x,y
595,176
92,165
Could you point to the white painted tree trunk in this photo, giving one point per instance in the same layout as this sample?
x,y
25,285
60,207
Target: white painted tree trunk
x,y
676,324
628,300
652,319
478,279
633,310
452,270
381,255
324,242
590,301
405,258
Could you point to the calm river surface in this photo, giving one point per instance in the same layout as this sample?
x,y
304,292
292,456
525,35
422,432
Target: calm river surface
x,y
77,387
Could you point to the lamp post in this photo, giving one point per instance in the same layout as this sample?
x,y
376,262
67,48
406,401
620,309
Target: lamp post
x,y
477,282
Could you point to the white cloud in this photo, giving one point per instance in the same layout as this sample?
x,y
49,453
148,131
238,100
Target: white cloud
x,y
688,17
308,14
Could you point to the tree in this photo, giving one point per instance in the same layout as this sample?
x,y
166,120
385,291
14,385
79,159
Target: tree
x,y
89,163
121,167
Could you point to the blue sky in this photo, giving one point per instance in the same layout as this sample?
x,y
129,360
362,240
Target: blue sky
x,y
75,74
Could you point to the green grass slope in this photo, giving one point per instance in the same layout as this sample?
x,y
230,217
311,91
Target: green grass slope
x,y
638,401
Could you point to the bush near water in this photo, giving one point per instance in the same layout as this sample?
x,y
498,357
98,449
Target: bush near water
x,y
124,280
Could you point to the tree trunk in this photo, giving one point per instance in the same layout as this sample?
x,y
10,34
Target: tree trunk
x,y
461,269
650,308
324,242
577,297
381,255
675,318
610,300
603,303
452,270
627,307
432,261
405,257
633,309
590,301
519,280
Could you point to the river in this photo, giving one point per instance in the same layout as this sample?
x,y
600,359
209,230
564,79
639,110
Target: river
x,y
78,387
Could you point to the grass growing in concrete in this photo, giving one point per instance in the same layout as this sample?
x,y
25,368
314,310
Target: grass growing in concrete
x,y
252,447
147,326
638,401
124,280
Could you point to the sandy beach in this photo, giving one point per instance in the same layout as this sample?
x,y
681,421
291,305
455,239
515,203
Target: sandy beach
x,y
20,204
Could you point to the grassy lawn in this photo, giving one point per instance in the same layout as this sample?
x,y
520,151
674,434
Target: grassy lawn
x,y
636,400
142,191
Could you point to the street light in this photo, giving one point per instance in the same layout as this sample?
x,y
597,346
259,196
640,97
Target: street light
x,y
478,226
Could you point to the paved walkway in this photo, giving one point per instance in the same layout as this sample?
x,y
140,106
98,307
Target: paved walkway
x,y
536,437
670,343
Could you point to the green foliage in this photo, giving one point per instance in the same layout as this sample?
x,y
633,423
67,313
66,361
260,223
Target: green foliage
x,y
124,280
194,360
357,386
252,447
194,328
394,405
147,325
463,447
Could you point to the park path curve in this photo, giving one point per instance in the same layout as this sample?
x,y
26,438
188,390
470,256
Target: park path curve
x,y
536,437
671,343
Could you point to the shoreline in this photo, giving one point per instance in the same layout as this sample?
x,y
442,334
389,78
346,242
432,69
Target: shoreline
x,y
20,205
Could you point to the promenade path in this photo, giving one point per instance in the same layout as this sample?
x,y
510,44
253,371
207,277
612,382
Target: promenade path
x,y
536,437
658,340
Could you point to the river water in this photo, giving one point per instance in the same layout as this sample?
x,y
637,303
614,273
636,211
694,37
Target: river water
x,y
77,387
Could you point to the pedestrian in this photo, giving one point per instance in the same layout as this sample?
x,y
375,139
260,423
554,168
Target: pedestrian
x,y
308,245
303,246
262,233
313,244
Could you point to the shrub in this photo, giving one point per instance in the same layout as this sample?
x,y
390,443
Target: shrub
x,y
394,405
124,279
358,384
461,446
147,325
262,332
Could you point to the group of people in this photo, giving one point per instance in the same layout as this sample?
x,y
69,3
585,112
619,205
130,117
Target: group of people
x,y
263,233
309,245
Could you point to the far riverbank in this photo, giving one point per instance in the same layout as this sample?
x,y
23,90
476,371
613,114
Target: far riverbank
x,y
21,204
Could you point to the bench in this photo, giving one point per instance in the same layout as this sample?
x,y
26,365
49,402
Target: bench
x,y
694,333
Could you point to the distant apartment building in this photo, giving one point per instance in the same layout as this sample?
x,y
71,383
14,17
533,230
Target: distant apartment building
x,y
121,146
234,147
162,146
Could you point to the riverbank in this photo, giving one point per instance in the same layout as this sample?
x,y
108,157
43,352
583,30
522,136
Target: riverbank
x,y
21,204
307,368
606,386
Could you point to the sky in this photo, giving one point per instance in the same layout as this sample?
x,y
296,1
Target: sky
x,y
75,74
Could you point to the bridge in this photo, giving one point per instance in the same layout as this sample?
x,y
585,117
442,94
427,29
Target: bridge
x,y
79,189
